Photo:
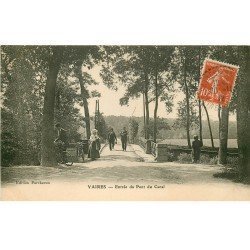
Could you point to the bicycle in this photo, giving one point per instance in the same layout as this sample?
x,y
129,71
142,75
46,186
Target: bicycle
x,y
82,148
62,156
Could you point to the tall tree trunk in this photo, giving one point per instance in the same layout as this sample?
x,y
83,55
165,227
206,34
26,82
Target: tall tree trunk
x,y
156,108
187,105
243,111
47,148
222,156
58,98
84,95
200,120
209,125
144,115
87,117
146,105
219,118
199,101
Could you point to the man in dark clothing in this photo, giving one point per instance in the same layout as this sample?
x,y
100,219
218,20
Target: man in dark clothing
x,y
112,139
196,149
61,141
124,138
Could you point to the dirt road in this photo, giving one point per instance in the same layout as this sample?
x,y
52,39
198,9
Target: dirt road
x,y
124,168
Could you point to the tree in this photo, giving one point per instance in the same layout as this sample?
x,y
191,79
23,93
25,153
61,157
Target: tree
x,y
130,66
222,156
142,69
209,124
58,55
186,97
102,127
85,79
162,125
66,111
47,150
243,111
185,70
160,59
9,142
23,89
227,54
133,130
181,121
31,74
199,101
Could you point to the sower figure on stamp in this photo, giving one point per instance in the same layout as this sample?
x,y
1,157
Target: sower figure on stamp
x,y
214,81
196,149
124,138
94,145
112,139
61,142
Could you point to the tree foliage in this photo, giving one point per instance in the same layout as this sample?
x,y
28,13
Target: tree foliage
x,y
133,130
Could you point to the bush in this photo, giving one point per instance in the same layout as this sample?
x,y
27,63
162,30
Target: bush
x,y
184,158
214,160
205,159
170,156
233,161
9,149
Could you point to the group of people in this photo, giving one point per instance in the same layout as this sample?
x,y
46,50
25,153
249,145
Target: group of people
x,y
112,139
62,144
95,143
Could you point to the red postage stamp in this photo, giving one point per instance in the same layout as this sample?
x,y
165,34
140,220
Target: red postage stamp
x,y
217,82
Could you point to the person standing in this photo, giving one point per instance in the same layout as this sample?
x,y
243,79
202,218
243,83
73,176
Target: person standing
x,y
124,139
196,149
94,145
112,139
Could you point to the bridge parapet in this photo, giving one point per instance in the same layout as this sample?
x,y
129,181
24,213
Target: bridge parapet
x,y
165,152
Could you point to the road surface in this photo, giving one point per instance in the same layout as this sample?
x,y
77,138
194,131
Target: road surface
x,y
118,168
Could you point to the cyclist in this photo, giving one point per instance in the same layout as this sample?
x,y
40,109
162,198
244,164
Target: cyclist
x,y
61,142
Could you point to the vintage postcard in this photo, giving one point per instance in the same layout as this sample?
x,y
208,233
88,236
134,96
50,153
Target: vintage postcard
x,y
128,123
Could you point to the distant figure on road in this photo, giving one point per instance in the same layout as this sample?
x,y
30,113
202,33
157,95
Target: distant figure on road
x,y
196,149
112,139
124,138
94,145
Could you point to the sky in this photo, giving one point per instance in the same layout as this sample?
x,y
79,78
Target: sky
x,y
109,102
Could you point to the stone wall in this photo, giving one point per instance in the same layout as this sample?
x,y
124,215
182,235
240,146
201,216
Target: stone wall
x,y
166,152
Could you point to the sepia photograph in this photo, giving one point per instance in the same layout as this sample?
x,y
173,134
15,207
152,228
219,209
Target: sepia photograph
x,y
125,122
124,125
